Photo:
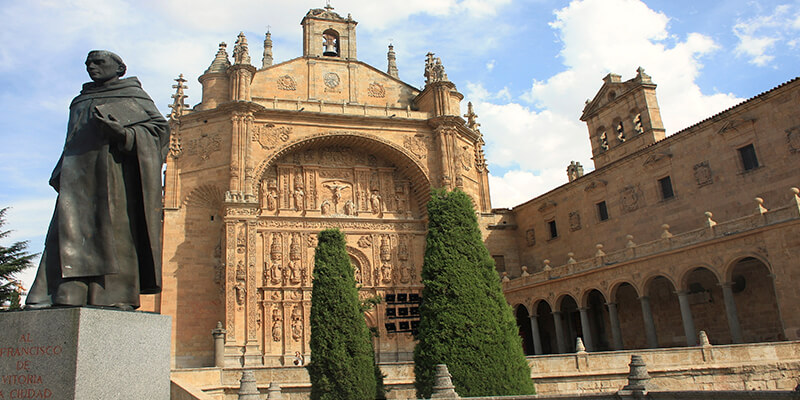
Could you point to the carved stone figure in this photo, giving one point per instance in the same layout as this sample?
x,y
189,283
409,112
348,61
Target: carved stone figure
x,y
271,198
297,323
277,330
103,246
295,265
239,286
276,256
375,202
349,208
325,208
299,197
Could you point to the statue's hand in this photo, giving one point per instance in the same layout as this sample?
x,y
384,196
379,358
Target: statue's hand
x,y
112,127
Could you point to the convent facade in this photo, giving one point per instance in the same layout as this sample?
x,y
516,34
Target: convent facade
x,y
665,236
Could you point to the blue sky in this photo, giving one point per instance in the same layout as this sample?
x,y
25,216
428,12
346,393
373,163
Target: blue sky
x,y
527,65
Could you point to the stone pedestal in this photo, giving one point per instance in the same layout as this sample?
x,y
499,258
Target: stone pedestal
x,y
84,353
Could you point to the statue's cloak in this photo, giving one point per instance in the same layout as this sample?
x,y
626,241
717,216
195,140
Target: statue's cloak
x,y
110,192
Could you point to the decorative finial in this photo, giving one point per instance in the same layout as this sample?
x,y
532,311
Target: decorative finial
x,y
241,55
471,117
266,60
434,69
178,98
328,5
392,68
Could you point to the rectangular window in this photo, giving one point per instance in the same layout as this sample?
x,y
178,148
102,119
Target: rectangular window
x,y
666,188
499,264
553,229
602,211
749,159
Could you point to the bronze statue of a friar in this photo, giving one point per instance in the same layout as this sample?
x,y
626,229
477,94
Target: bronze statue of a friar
x,y
103,246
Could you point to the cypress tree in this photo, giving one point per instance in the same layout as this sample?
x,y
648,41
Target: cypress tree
x,y
342,358
465,321
13,259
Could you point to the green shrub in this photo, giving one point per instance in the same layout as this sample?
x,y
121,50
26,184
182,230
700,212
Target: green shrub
x,y
342,358
465,321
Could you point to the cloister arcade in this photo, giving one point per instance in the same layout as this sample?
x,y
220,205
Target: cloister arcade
x,y
733,304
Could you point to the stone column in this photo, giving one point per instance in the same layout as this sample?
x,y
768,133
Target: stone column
x,y
730,310
559,332
586,329
649,325
219,345
537,340
616,332
686,316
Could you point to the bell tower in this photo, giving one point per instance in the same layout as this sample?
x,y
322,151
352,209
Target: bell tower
x,y
327,34
623,117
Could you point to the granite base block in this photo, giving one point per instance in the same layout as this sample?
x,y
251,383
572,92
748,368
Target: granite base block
x,y
84,353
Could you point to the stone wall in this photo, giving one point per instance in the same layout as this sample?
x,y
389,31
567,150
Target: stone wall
x,y
762,366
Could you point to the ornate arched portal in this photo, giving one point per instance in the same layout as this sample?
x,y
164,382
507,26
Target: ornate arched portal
x,y
371,190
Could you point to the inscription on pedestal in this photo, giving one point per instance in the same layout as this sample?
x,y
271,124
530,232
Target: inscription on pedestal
x,y
22,368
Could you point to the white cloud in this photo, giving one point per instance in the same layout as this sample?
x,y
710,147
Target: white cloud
x,y
490,65
544,139
760,35
516,186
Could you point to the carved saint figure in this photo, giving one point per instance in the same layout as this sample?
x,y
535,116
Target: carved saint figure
x,y
239,286
325,208
299,196
275,254
271,199
386,273
405,273
297,323
277,330
349,208
103,246
375,202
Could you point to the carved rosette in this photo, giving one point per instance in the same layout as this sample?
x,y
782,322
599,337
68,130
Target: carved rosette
x,y
286,82
375,89
204,146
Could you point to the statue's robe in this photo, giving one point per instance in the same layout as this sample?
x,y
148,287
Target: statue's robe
x,y
103,246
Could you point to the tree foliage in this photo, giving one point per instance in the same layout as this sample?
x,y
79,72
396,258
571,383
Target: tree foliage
x,y
342,358
13,259
465,321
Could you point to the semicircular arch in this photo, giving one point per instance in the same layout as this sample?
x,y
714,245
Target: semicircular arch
x,y
406,162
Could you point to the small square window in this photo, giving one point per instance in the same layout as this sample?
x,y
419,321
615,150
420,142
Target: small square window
x,y
602,211
553,229
666,188
748,156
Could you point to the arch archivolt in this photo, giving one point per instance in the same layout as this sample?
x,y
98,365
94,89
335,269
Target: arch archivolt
x,y
407,162
687,271
535,304
730,264
648,281
614,288
562,297
584,297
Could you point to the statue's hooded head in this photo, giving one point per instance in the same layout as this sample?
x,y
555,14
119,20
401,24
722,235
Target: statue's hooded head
x,y
104,66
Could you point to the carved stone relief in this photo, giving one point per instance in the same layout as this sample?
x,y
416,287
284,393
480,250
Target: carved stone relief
x,y
297,323
386,258
466,157
630,198
286,82
269,135
365,241
239,286
204,146
332,81
416,145
530,237
702,174
277,324
574,221
375,89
